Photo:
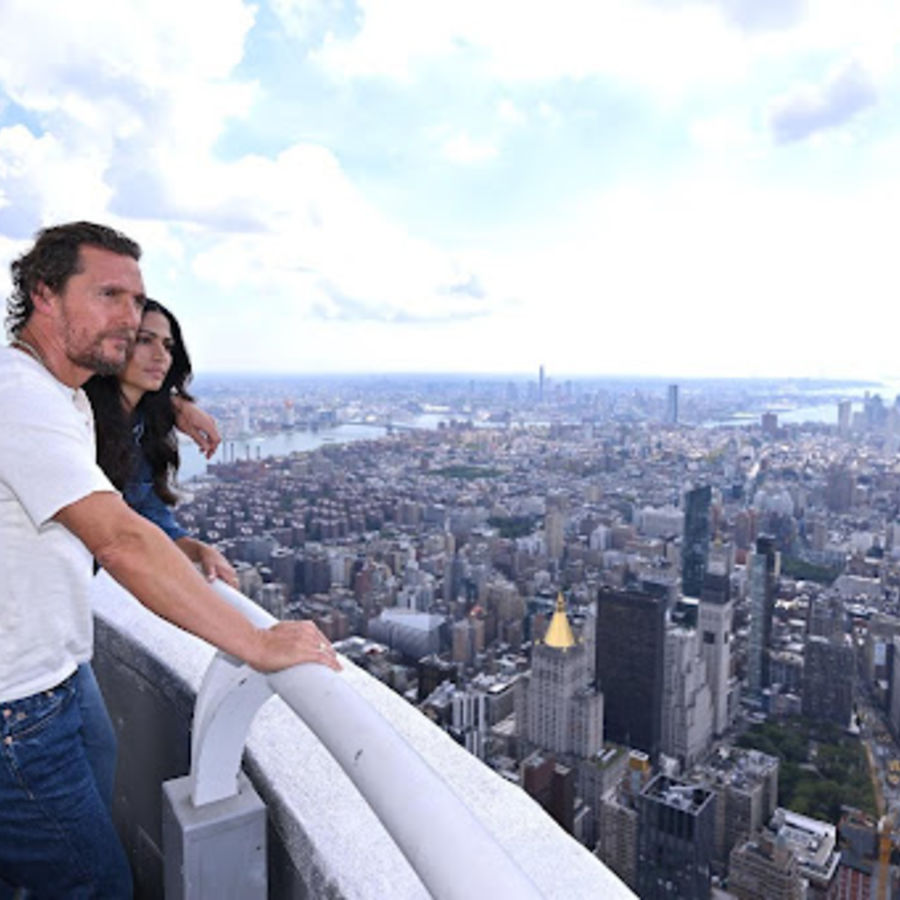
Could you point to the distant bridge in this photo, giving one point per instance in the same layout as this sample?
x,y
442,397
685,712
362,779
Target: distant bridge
x,y
388,424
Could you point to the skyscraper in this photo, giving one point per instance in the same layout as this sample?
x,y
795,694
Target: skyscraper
x,y
557,707
675,839
828,669
763,569
672,405
715,623
687,709
631,627
695,545
845,412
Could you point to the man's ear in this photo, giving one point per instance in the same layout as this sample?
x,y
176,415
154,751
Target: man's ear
x,y
42,297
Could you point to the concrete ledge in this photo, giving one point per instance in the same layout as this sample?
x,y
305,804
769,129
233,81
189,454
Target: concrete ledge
x,y
324,839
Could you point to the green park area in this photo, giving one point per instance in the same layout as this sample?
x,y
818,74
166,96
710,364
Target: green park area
x,y
822,767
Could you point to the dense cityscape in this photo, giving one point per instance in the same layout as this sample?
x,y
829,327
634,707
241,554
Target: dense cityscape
x,y
667,611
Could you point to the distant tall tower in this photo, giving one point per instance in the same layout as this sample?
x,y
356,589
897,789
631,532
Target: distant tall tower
x,y
845,412
631,630
672,405
763,568
554,533
695,543
557,707
541,384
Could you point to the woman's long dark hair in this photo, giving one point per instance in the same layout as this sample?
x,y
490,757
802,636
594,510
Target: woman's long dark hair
x,y
116,450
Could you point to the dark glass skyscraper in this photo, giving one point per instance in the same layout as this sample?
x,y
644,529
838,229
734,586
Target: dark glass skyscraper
x,y
631,627
675,840
763,569
695,544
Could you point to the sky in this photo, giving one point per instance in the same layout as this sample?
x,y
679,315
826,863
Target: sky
x,y
657,187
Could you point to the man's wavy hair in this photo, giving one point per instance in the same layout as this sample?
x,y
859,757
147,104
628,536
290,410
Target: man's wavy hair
x,y
53,259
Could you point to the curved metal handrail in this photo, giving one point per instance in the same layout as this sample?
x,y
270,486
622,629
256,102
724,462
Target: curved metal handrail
x,y
431,826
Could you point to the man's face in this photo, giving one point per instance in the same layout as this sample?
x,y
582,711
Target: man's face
x,y
100,310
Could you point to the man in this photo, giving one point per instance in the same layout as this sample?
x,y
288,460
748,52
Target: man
x,y
75,310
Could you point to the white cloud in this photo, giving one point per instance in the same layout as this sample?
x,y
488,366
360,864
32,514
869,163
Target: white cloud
x,y
643,44
466,150
509,113
847,91
135,145
713,276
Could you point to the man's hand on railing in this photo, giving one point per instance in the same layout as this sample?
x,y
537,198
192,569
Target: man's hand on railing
x,y
289,643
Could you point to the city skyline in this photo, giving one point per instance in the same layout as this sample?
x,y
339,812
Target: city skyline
x,y
670,188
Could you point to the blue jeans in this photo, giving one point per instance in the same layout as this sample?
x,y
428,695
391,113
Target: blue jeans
x,y
56,834
97,733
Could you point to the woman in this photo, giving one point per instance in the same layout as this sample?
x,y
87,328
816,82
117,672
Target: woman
x,y
134,418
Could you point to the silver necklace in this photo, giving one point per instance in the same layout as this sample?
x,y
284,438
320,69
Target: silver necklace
x,y
36,355
30,349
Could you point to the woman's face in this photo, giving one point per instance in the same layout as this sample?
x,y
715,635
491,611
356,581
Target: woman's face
x,y
150,360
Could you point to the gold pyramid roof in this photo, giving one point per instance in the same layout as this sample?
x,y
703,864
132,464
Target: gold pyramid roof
x,y
559,632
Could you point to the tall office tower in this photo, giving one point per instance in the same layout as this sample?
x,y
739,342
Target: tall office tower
x,y
672,405
840,488
675,839
892,431
845,413
763,568
541,384
695,542
769,423
557,708
828,667
687,709
463,641
715,623
554,533
631,629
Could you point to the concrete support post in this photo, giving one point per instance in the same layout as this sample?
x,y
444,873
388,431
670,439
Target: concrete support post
x,y
216,851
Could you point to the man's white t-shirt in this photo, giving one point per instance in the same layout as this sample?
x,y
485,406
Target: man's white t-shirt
x,y
47,461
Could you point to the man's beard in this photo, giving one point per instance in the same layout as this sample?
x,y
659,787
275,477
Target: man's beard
x,y
93,358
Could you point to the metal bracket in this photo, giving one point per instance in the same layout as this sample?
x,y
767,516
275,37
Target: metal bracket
x,y
227,702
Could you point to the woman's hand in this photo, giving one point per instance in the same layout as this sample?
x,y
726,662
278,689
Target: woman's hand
x,y
212,562
198,425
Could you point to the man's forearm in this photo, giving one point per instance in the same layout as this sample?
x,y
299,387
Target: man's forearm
x,y
150,566
143,559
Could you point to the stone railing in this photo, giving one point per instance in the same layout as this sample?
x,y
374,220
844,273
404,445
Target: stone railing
x,y
433,814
